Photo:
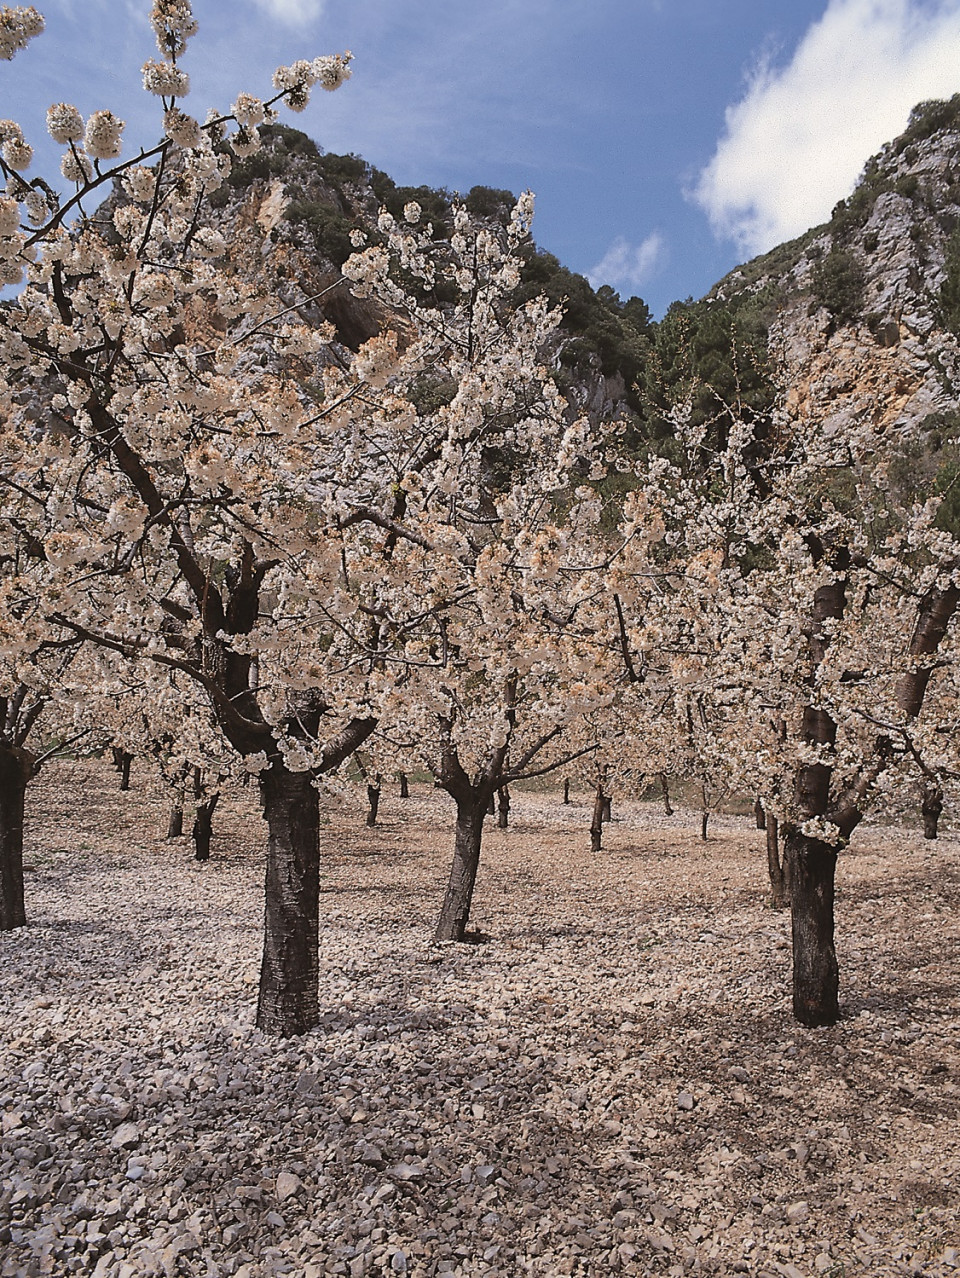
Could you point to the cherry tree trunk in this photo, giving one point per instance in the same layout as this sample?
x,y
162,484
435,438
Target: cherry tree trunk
x,y
596,823
373,801
931,805
759,814
175,824
566,790
775,867
704,813
503,808
203,828
463,876
16,768
607,808
125,760
811,868
404,787
665,791
289,998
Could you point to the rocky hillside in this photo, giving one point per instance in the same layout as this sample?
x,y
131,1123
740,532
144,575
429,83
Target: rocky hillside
x,y
308,202
864,311
857,318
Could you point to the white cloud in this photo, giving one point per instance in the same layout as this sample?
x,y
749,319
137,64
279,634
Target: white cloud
x,y
627,267
799,138
296,13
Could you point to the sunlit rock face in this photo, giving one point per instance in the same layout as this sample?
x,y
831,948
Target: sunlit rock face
x,y
859,309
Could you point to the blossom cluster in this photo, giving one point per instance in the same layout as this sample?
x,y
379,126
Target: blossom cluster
x,y
18,26
295,81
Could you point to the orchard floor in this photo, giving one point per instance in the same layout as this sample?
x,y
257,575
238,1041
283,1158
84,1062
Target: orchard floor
x,y
609,1082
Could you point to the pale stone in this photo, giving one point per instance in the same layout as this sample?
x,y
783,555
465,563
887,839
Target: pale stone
x,y
287,1185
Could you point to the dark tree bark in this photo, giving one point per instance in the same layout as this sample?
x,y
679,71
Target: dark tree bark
x,y
404,787
175,824
203,827
760,814
665,791
125,762
471,811
473,796
566,790
936,611
775,867
289,1000
503,807
607,808
811,867
704,813
492,805
16,769
596,821
931,806
373,800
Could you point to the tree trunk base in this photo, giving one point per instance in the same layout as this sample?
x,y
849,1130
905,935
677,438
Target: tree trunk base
x,y
289,974
775,868
203,828
596,820
373,802
811,867
455,913
665,792
175,824
931,806
503,808
16,769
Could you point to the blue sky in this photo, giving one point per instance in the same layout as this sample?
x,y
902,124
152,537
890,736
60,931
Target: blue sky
x,y
666,140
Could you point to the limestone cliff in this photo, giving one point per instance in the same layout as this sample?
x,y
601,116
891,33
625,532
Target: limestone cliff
x,y
858,309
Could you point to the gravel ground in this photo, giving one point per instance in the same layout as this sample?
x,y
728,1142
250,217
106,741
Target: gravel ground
x,y
608,1082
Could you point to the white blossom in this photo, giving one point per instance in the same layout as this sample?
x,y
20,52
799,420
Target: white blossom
x,y
181,128
165,79
18,26
140,184
102,136
64,123
247,109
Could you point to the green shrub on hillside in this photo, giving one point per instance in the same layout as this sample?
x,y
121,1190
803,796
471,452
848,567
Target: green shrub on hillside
x,y
838,285
713,358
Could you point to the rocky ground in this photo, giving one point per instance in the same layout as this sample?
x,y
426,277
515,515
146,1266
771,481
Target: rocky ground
x,y
609,1082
